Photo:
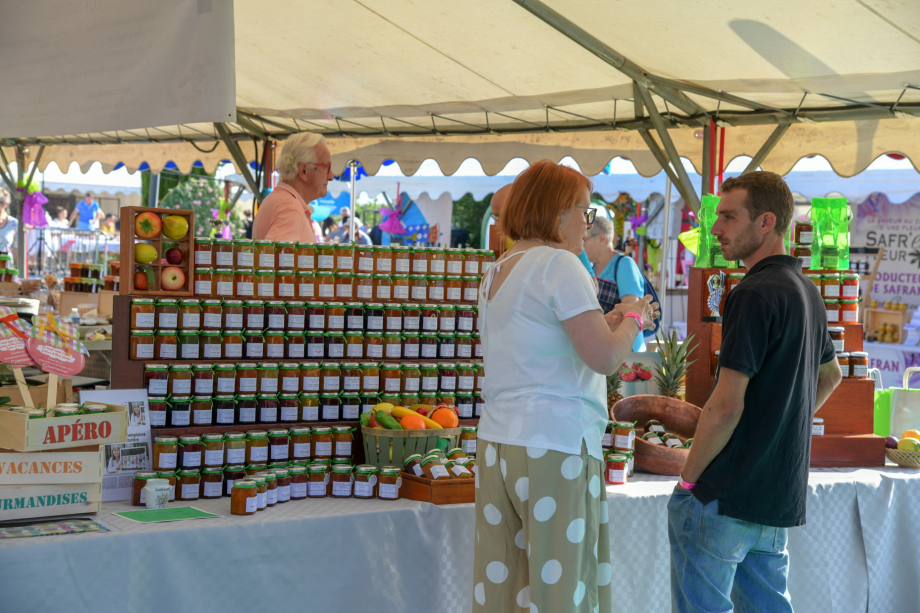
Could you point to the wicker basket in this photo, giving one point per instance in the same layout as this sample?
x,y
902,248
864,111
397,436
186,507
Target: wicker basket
x,y
384,447
906,459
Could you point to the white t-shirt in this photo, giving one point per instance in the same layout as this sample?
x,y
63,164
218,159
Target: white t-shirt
x,y
537,391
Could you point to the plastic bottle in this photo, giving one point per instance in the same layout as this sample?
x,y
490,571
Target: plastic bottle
x,y
75,316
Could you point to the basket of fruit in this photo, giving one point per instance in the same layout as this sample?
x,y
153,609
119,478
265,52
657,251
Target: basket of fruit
x,y
904,452
391,434
159,244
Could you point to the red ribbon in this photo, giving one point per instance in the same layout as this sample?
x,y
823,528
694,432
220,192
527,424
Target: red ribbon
x,y
6,322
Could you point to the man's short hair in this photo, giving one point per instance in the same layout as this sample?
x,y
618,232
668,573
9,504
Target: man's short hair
x,y
89,194
298,149
766,193
602,225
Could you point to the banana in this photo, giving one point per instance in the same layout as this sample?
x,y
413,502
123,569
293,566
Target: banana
x,y
400,412
383,406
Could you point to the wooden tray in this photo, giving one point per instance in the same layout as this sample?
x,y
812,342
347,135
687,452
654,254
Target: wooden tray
x,y
441,491
126,285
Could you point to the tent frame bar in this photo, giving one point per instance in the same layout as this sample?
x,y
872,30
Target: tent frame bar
x,y
237,154
766,148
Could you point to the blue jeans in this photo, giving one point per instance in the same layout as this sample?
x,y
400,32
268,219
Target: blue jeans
x,y
718,560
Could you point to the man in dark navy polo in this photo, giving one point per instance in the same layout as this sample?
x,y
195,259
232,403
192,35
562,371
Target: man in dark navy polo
x,y
746,478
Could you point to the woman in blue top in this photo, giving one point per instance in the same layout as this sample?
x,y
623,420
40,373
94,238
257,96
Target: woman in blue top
x,y
618,276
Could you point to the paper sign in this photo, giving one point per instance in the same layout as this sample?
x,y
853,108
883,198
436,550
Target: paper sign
x,y
150,516
55,360
13,351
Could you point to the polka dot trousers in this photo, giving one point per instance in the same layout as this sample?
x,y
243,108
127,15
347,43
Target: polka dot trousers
x,y
542,539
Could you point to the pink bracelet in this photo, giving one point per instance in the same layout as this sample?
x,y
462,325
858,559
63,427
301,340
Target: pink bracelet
x,y
685,485
638,319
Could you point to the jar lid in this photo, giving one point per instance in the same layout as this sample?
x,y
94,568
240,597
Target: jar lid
x,y
234,436
317,468
267,366
280,472
431,458
156,367
373,305
304,273
201,399
288,396
309,364
365,469
859,354
308,395
212,437
450,365
627,425
390,366
267,397
145,475
210,333
343,246
343,429
328,396
389,471
342,469
257,477
400,248
468,429
435,277
832,275
374,334
843,354
284,243
141,332
335,305
370,365
212,471
299,430
233,302
392,334
165,474
300,245
334,333
849,301
189,438
322,430
206,271
156,398
253,303
253,434
243,484
429,335
408,366
274,333
276,432
165,440
817,420
224,367
181,367
826,301
264,273
246,396
850,275
836,329
189,333
342,273
297,470
615,457
262,243
211,301
189,472
223,397
417,277
323,273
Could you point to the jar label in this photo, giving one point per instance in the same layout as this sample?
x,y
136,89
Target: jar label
x,y
436,293
449,383
316,489
266,260
418,470
266,290
180,418
301,450
280,452
365,264
366,408
419,293
355,322
364,489
189,491
254,350
412,384
331,384
295,322
806,261
616,476
480,406
272,496
438,471
225,288
330,413
465,324
326,290
285,260
429,322
374,322
371,383
224,416
251,504
471,294
298,490
465,410
366,291
212,351
860,371
817,429
306,290
351,383
182,386
410,350
394,350
258,454
244,259
191,320
284,493
212,320
437,267
168,320
234,320
460,470
420,267
850,291
285,290
167,351
626,441
607,440
343,448
288,413
256,321
247,384
391,385
236,456
166,460
394,323
323,449
411,323
247,415
349,411
213,457
471,267
345,262
326,261
374,351
317,322
468,446
464,351
305,262
191,459
336,351
389,491
384,264
276,322
453,294
223,259
202,258
400,292
190,351
482,381
204,387
402,266
838,346
158,418
354,350
849,317
454,267
341,488
429,351
269,385
343,290
832,291
202,288
262,500
311,384
289,384
465,383
806,237
671,442
244,288
478,347
833,316
447,350
311,413
233,350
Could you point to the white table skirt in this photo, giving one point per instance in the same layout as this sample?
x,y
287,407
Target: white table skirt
x,y
376,556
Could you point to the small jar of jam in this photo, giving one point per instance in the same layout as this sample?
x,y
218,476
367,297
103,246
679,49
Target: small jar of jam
x,y
210,345
234,448
256,446
309,406
179,412
344,285
447,320
373,345
830,286
344,257
254,342
267,409
232,344
285,255
341,481
265,284
180,380
384,287
479,404
470,289
222,252
411,346
309,376
189,344
369,401
243,283
317,480
342,439
202,411
156,405
437,261
188,484
351,406
402,257
464,319
204,282
212,483
263,255
288,408
294,346
306,285
418,287
223,405
837,337
464,346
254,314
454,261
243,253
388,482
283,476
803,233
351,377
232,311
316,316
392,317
232,474
464,405
222,282
428,346
391,378
189,314
399,289
165,453
365,482
364,286
410,379
330,374
289,377
471,262
156,379
477,346
225,378
832,307
383,260
140,481
330,407
316,345
447,346
843,360
300,440
167,311
202,380
419,258
305,257
275,315
247,378
849,286
453,289
466,377
354,317
859,365
335,317
436,286
849,311
480,377
165,345
203,252
325,257
295,318
412,317
429,317
325,285
267,374
284,284
447,377
803,254
211,315
189,451
364,258
374,317
429,376
370,377
392,346
475,318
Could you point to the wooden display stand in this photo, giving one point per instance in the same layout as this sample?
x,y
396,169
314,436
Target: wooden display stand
x,y
128,240
848,414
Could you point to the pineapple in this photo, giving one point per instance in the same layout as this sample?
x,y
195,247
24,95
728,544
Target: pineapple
x,y
613,389
674,364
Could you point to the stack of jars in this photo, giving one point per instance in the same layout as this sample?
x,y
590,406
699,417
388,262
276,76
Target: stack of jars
x,y
246,269
85,278
212,329
841,295
620,439
249,393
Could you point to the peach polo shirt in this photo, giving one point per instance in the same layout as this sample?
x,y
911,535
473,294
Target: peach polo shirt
x,y
284,216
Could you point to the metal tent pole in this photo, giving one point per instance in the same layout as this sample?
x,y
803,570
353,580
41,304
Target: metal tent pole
x,y
353,165
665,243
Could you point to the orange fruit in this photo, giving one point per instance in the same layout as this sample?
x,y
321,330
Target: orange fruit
x,y
412,422
446,417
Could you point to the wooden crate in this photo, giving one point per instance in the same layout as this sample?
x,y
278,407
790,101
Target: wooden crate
x,y
28,501
187,245
874,317
20,433
72,300
384,447
440,491
83,465
856,450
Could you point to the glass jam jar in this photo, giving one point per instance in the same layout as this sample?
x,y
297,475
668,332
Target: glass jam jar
x,y
325,285
464,405
471,262
222,282
188,484
222,252
306,285
418,287
224,405
344,257
803,233
189,312
464,318
428,346
330,407
225,378
341,481
157,405
402,257
453,289
165,345
374,314
299,444
470,289
344,285
288,408
306,257
392,346
140,482
247,378
419,258
364,258
267,409
254,344
265,283
179,412
430,377
210,345
263,255
479,404
837,334
316,316
330,374
156,378
429,317
454,261
254,314
243,253
849,311
859,365
830,286
391,378
411,346
412,317
383,260
365,485
368,402
165,452
234,448
203,280
267,373
388,483
364,286
256,446
832,307
370,377
202,379
232,314
393,318
466,377
447,318
410,378
354,345
335,345
437,261
436,285
284,283
316,345
480,376
447,377
167,311
351,406
325,257
243,283
274,344
211,315
203,252
309,406
464,346
351,377
294,346
189,344
382,288
202,411
289,377
275,315
232,344
373,345
285,255
399,287
309,376
296,317
354,317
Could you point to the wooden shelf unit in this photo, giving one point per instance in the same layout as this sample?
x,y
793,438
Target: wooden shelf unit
x,y
848,414
129,240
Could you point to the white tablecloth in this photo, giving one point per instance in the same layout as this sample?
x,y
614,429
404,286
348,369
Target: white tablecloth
x,y
376,556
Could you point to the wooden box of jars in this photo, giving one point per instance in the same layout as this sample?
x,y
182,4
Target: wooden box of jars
x,y
849,412
438,491
20,433
33,501
169,275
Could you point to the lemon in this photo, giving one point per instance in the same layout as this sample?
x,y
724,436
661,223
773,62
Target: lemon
x,y
909,444
175,226
144,253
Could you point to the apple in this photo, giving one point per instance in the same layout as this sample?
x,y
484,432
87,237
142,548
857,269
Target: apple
x,y
172,279
174,256
141,281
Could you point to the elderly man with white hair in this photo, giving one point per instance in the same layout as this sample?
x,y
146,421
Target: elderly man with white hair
x,y
305,166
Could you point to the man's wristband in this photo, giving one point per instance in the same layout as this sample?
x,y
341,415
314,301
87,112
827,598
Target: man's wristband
x,y
638,319
685,485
